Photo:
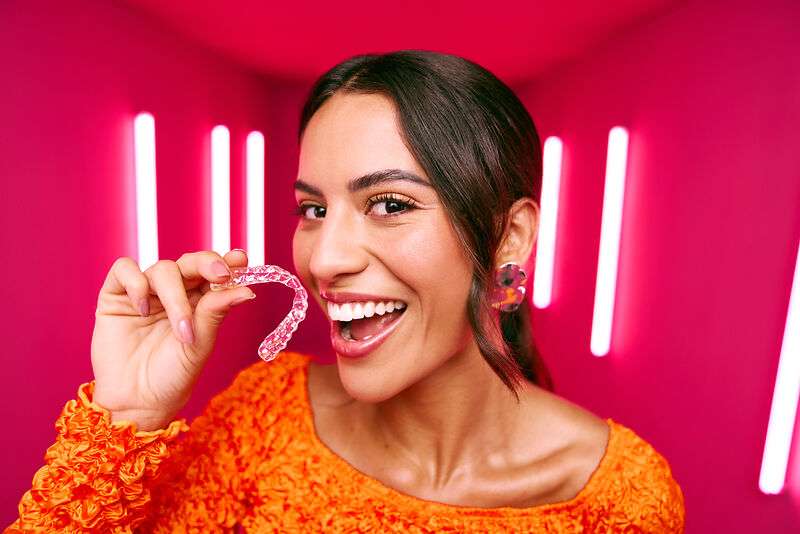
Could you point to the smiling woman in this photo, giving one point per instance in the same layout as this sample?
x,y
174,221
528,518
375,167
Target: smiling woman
x,y
418,179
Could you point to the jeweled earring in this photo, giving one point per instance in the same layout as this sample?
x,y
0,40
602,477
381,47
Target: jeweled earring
x,y
509,290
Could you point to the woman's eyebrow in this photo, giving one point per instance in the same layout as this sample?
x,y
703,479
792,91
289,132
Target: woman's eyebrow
x,y
368,180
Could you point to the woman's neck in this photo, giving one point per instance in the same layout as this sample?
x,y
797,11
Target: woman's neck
x,y
450,421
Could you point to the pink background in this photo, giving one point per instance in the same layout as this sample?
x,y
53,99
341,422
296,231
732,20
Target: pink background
x,y
710,92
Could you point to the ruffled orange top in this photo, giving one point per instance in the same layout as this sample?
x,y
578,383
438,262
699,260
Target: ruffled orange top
x,y
252,462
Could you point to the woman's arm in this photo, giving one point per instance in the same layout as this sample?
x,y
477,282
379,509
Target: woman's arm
x,y
102,477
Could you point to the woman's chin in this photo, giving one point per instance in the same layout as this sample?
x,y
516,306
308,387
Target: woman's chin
x,y
366,385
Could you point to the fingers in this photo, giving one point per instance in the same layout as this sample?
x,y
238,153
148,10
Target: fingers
x,y
166,279
213,307
200,267
234,258
125,277
171,280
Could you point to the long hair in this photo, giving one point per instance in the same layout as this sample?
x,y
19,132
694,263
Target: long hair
x,y
479,146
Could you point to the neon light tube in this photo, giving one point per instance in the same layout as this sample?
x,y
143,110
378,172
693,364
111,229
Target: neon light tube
x,y
546,240
220,190
610,230
255,199
144,149
783,412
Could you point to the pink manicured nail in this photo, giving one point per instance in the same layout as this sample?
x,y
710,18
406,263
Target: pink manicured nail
x,y
144,307
185,328
220,269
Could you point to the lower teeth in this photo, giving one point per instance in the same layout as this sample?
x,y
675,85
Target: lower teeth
x,y
346,332
347,335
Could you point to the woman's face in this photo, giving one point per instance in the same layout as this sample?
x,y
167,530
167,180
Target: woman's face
x,y
358,242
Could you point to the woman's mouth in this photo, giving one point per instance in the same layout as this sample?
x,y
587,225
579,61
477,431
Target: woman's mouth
x,y
358,337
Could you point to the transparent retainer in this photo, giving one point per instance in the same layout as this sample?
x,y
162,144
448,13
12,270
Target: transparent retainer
x,y
277,340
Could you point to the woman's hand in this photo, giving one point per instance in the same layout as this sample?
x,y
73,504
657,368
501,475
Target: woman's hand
x,y
144,359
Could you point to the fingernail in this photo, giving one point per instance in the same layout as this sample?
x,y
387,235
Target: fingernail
x,y
220,269
144,307
239,300
185,328
240,250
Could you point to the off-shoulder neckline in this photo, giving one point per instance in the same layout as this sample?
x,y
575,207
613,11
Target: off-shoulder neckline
x,y
377,488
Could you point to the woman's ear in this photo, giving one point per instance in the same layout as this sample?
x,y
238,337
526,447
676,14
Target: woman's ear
x,y
520,235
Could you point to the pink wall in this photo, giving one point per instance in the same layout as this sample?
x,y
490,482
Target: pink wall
x,y
73,79
711,96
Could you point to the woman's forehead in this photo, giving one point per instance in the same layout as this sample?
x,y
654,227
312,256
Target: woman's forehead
x,y
355,136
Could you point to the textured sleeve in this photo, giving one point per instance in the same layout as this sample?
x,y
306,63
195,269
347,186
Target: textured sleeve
x,y
663,502
647,498
101,476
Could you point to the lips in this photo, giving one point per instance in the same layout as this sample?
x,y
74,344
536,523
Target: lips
x,y
360,348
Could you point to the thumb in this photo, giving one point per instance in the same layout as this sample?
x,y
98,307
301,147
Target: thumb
x,y
212,309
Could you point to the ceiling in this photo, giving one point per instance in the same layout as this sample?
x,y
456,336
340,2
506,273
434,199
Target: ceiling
x,y
301,40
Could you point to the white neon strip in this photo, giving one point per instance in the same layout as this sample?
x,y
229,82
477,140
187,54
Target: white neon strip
x,y
546,241
220,190
144,148
255,199
610,230
784,398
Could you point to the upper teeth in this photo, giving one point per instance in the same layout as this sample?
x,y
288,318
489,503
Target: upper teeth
x,y
358,310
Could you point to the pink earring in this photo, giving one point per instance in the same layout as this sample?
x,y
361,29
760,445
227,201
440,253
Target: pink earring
x,y
509,290
277,340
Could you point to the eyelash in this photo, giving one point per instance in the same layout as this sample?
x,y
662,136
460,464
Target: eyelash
x,y
386,197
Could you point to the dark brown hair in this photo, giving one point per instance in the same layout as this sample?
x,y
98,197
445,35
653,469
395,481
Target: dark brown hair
x,y
479,146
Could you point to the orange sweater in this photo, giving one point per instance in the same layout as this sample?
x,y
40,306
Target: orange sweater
x,y
252,462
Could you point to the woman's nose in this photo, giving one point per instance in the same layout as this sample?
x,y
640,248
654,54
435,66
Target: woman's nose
x,y
337,249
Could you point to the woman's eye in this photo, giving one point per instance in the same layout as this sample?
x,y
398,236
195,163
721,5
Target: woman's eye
x,y
387,206
390,205
310,211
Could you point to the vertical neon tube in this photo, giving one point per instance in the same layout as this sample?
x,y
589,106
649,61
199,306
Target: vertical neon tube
x,y
144,148
610,231
546,240
220,190
255,199
783,412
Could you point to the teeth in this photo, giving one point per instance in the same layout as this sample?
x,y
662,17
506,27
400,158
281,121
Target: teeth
x,y
358,310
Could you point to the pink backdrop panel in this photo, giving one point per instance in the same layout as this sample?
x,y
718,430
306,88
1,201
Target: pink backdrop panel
x,y
710,94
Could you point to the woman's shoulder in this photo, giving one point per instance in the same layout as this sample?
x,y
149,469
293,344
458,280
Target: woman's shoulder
x,y
636,457
621,474
638,482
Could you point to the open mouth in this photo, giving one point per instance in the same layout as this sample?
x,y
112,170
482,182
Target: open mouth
x,y
361,321
367,327
372,325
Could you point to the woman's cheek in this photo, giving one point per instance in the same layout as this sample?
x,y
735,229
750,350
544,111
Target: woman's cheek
x,y
301,254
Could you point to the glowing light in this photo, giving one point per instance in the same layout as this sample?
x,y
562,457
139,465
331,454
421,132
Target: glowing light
x,y
610,231
255,199
546,240
220,190
783,412
144,148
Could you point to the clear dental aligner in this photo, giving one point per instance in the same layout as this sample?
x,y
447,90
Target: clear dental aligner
x,y
277,340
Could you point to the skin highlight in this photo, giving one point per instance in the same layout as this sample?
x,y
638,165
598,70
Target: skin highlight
x,y
424,413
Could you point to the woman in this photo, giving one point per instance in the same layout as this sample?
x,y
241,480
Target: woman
x,y
417,192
